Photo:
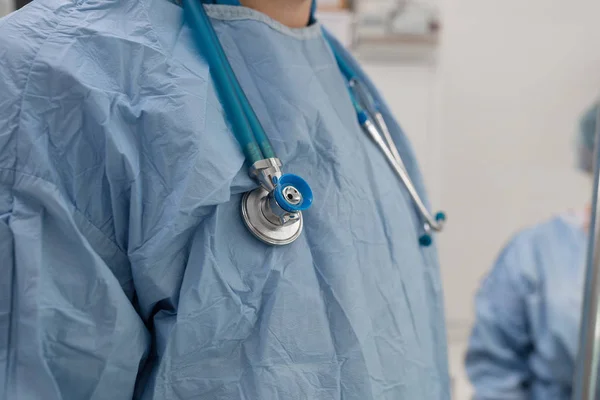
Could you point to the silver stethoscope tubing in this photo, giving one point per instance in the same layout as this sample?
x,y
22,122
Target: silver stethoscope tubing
x,y
273,211
373,123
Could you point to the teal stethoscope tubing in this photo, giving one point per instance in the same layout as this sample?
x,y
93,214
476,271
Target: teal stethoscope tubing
x,y
246,126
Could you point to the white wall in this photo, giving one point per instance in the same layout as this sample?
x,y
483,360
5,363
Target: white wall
x,y
515,76
6,6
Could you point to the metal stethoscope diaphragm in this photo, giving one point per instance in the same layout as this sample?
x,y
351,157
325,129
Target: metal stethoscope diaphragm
x,y
273,211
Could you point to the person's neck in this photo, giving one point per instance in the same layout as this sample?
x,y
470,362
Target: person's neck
x,y
292,13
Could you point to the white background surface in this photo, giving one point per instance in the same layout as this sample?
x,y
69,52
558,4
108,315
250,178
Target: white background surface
x,y
5,7
515,77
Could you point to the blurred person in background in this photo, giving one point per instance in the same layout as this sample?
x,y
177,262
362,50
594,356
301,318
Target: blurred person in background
x,y
528,309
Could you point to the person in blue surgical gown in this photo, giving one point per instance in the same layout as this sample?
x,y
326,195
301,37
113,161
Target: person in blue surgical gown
x,y
126,270
525,340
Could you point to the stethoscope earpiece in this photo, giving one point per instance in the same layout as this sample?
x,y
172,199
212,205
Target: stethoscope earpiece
x,y
425,240
440,217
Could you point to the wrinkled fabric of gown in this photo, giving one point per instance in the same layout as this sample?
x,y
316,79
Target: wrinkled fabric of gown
x,y
127,271
525,340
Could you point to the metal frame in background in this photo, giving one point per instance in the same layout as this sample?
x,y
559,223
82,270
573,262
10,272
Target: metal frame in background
x,y
585,381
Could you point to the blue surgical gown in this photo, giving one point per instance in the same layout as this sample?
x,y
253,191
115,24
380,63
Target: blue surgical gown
x,y
525,339
126,269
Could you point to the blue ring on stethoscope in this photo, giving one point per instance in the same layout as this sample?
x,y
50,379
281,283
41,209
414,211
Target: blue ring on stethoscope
x,y
440,217
362,117
287,180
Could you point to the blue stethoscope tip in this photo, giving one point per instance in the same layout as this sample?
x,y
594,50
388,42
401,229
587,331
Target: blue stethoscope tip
x,y
440,217
425,240
362,117
293,193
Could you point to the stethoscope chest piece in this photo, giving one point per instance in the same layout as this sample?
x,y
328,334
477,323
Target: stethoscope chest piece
x,y
255,205
273,211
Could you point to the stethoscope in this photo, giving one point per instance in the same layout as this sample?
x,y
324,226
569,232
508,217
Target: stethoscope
x,y
273,211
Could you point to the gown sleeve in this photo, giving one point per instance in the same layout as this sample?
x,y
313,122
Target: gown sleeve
x,y
500,343
69,328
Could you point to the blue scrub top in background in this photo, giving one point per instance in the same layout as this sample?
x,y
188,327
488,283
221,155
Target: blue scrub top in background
x,y
127,271
525,340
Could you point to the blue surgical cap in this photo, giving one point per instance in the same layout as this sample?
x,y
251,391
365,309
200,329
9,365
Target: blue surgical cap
x,y
587,135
